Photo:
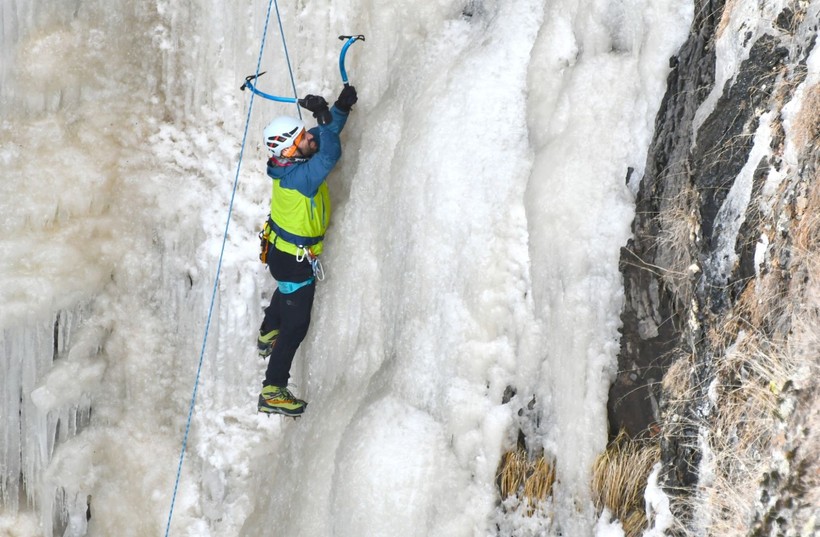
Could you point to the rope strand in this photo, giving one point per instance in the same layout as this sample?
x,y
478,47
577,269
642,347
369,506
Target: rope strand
x,y
216,281
287,58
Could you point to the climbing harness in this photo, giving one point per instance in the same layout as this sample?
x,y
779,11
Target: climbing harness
x,y
303,250
249,80
297,240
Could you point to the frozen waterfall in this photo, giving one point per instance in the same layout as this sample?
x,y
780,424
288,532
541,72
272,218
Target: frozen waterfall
x,y
480,205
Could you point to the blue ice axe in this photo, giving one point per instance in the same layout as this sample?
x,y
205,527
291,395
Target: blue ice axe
x,y
248,84
349,40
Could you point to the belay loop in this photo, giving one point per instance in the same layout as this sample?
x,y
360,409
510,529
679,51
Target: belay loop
x,y
348,39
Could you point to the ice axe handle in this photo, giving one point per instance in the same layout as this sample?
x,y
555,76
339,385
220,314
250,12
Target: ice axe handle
x,y
349,40
249,85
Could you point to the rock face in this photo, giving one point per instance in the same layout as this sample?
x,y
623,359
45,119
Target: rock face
x,y
720,276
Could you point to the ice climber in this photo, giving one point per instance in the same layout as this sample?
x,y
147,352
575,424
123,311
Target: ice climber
x,y
299,164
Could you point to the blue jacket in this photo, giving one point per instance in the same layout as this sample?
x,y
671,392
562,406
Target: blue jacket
x,y
306,177
300,201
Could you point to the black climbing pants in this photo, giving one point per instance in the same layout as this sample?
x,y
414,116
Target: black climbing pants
x,y
290,313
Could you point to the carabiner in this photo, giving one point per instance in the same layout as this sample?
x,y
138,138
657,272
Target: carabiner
x,y
318,270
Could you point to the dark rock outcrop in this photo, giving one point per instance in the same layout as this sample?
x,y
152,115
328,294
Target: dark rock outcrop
x,y
697,257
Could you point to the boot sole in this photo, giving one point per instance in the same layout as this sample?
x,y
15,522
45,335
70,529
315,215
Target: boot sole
x,y
281,412
267,409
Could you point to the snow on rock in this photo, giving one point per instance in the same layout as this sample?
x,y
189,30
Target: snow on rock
x,y
657,506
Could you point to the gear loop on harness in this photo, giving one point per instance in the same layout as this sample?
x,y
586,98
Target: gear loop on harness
x,y
303,253
318,270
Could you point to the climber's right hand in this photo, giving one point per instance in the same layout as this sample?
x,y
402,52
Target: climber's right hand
x,y
318,105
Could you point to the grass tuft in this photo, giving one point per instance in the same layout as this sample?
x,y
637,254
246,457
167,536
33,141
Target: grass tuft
x,y
619,479
525,477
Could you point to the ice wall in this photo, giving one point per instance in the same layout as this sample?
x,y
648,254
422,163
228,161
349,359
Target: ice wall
x,y
579,207
105,263
28,353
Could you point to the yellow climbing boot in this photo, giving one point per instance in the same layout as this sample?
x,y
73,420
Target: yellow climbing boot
x,y
279,400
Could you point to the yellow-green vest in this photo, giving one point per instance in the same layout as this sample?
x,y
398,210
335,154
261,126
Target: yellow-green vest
x,y
299,221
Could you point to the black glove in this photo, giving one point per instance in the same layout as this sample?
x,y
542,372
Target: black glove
x,y
318,105
347,98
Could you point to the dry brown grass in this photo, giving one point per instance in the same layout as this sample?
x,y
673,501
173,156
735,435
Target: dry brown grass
x,y
619,479
675,384
759,401
806,235
806,126
800,434
750,377
679,224
737,433
526,477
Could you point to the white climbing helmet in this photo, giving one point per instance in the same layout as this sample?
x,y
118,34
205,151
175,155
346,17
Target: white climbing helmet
x,y
282,133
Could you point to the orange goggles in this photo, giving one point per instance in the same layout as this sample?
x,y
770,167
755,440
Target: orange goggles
x,y
290,152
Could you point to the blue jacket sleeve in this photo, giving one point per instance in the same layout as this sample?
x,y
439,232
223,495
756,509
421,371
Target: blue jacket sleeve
x,y
308,176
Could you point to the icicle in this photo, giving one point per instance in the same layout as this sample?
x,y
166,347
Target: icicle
x,y
30,431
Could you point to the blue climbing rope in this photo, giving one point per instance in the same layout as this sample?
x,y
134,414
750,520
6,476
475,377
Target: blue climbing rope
x,y
287,58
218,271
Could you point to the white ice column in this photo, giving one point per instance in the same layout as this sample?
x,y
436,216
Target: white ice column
x,y
28,435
